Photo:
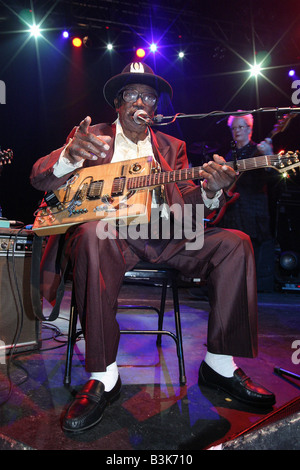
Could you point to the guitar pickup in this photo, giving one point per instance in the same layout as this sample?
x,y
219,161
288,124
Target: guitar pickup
x,y
118,186
95,190
51,199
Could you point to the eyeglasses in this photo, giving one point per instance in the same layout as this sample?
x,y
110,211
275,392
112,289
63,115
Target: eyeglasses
x,y
133,95
238,128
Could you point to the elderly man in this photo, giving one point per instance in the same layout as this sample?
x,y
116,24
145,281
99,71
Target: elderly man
x,y
99,263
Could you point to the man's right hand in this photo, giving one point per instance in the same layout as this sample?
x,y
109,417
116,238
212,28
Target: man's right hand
x,y
85,145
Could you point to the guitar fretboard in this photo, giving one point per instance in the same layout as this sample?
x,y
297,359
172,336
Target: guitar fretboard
x,y
164,177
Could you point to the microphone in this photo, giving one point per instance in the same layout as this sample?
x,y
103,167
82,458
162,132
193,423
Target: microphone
x,y
140,116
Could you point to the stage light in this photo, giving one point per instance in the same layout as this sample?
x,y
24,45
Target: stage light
x,y
140,53
289,260
110,47
77,42
255,70
65,34
35,30
181,55
291,73
153,47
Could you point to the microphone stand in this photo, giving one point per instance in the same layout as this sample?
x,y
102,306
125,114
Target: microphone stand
x,y
157,120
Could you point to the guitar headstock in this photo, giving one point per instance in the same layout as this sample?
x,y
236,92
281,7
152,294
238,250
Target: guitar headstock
x,y
6,157
282,123
285,162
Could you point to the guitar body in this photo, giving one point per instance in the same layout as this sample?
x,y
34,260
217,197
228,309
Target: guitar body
x,y
216,216
97,193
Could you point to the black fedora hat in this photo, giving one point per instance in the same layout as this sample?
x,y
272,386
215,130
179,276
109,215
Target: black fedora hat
x,y
135,72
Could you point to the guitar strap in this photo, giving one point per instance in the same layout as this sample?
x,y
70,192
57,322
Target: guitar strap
x,y
35,282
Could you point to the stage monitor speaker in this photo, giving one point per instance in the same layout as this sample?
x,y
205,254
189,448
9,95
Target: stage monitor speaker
x,y
288,225
288,238
19,328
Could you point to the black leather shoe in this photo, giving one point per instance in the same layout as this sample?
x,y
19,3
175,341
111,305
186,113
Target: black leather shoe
x,y
88,406
240,386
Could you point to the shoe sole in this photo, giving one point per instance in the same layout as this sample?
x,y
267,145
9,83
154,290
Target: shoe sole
x,y
202,381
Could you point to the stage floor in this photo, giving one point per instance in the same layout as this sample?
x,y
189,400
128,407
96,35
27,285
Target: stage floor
x,y
154,412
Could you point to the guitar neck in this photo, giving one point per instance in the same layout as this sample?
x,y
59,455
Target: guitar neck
x,y
193,173
254,163
164,177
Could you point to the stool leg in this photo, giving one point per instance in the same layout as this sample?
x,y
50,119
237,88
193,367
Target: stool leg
x,y
71,341
162,310
182,376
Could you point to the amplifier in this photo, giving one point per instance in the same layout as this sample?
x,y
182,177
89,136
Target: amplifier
x,y
19,328
288,225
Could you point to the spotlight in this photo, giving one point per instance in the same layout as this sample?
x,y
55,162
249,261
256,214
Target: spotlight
x,y
65,34
289,260
35,30
255,70
140,53
87,41
153,47
181,55
291,73
110,47
77,42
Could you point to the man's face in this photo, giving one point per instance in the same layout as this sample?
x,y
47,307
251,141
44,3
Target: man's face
x,y
126,109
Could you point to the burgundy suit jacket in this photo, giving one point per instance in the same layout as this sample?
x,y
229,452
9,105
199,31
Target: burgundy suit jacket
x,y
168,151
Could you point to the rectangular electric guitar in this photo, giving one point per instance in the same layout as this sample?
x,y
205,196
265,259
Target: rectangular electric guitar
x,y
122,191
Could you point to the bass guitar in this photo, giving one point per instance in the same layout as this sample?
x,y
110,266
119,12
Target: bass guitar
x,y
231,195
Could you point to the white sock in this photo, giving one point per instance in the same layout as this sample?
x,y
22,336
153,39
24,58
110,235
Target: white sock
x,y
220,363
108,378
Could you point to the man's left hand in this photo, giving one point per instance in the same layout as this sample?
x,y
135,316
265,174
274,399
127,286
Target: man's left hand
x,y
217,175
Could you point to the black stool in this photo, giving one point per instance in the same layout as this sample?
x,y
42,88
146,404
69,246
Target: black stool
x,y
143,272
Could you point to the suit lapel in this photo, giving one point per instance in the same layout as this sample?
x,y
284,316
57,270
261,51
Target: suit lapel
x,y
160,152
172,192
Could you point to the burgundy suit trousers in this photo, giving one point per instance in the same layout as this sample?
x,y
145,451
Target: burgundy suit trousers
x,y
225,261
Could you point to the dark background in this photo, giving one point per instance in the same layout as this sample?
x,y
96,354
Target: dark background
x,y
51,87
